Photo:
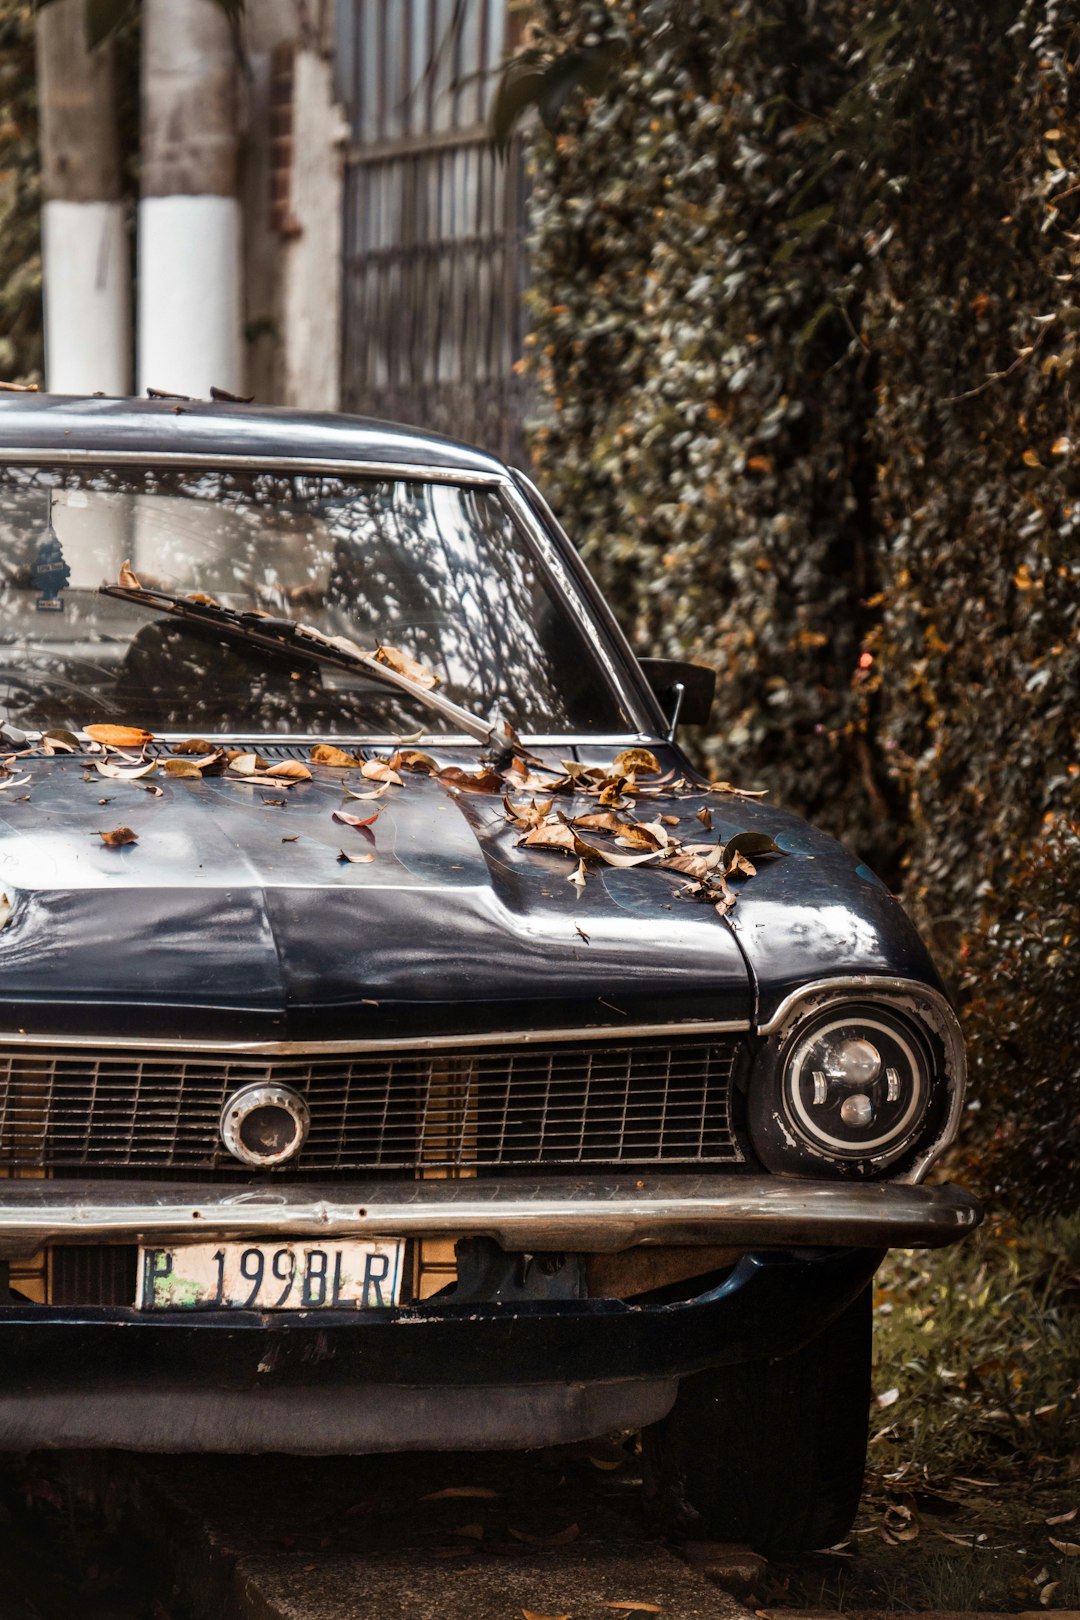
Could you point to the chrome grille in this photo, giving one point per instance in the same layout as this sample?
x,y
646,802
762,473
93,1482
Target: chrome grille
x,y
629,1102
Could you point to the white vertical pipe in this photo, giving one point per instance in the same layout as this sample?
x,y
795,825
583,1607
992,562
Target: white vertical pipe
x,y
87,295
190,297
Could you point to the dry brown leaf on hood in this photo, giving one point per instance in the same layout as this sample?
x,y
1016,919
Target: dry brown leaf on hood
x,y
124,773
354,821
704,815
66,741
180,767
246,764
376,793
526,815
561,1538
519,775
16,781
577,878
553,834
404,665
411,759
471,782
615,789
636,836
194,745
327,754
355,860
738,866
637,762
201,599
737,793
118,837
452,1492
380,770
600,821
128,579
119,736
289,769
670,821
727,898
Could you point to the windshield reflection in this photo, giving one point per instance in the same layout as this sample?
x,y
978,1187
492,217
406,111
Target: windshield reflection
x,y
435,570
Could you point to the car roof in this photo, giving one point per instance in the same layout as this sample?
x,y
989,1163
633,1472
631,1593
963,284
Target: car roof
x,y
33,423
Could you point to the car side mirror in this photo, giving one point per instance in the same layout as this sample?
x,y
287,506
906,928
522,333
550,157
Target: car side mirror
x,y
685,691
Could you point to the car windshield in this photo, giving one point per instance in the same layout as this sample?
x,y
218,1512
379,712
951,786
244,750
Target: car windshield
x,y
436,571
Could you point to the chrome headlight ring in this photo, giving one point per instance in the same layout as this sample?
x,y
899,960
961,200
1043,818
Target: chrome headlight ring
x,y
859,1072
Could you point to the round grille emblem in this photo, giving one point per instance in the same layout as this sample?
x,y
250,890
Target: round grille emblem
x,y
264,1125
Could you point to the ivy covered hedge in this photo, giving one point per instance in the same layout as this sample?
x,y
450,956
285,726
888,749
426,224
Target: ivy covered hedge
x,y
805,322
20,246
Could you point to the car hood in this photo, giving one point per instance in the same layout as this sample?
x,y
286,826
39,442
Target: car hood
x,y
234,918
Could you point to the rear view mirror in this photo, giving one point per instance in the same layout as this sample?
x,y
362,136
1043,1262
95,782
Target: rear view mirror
x,y
685,691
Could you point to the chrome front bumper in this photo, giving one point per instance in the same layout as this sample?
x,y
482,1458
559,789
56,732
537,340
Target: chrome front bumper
x,y
581,1214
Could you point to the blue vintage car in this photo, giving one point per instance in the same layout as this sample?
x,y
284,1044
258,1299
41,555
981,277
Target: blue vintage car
x,y
403,1045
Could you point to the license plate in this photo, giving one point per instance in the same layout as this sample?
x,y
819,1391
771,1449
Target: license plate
x,y
346,1275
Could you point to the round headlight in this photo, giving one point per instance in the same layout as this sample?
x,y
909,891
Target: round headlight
x,y
856,1085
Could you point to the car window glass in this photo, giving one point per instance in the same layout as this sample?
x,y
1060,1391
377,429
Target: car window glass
x,y
438,571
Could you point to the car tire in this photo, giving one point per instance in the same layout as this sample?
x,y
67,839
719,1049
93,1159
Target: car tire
x,y
770,1455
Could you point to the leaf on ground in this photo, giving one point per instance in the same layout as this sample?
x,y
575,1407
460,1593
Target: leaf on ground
x,y
380,770
128,579
122,773
451,1492
404,665
118,837
119,736
1046,1593
531,1614
637,762
1070,1549
1063,1518
327,754
632,1605
473,1532
561,1538
355,860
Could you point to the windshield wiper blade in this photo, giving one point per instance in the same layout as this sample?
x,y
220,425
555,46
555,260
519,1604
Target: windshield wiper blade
x,y
301,640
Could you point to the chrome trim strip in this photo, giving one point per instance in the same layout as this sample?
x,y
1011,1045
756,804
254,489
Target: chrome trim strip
x,y
922,1001
568,1213
423,1043
38,456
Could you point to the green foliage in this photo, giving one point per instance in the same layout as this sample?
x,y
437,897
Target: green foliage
x,y
804,321
20,246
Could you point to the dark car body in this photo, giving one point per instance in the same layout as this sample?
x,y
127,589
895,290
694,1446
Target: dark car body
x,y
230,942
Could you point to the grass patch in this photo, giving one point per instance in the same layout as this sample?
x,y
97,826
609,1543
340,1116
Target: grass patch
x,y
981,1343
